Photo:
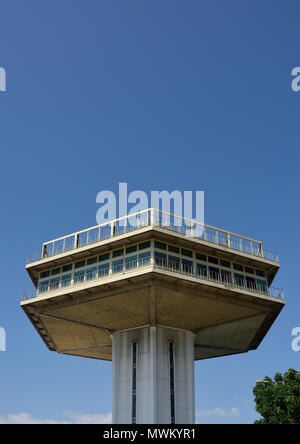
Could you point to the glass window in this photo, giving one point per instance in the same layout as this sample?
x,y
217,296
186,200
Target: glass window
x,y
43,286
54,283
224,263
239,279
144,258
173,262
226,276
173,249
78,276
67,268
103,270
103,257
238,267
160,258
91,273
131,249
160,245
144,245
213,260
130,262
262,285
260,273
117,266
250,282
187,266
55,271
249,270
202,270
187,253
80,264
66,280
92,260
201,257
44,274
214,273
118,253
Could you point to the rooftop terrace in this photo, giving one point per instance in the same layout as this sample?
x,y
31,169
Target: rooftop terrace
x,y
152,218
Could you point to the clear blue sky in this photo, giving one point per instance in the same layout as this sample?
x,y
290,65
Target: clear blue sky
x,y
163,95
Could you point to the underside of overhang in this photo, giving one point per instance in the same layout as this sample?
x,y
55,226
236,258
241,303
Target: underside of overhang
x,y
224,322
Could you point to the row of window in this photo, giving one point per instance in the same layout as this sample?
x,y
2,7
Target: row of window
x,y
102,258
215,273
89,273
179,259
209,259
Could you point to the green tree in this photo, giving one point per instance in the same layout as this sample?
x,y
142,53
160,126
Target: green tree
x,y
278,400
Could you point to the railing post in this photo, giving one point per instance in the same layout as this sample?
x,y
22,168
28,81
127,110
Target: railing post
x,y
261,251
112,229
76,240
192,230
228,240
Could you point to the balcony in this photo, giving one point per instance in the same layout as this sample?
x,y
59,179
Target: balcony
x,y
225,281
153,218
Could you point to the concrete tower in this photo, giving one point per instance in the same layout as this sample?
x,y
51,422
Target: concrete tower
x,y
152,296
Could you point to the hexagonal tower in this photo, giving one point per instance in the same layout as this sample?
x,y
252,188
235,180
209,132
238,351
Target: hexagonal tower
x,y
150,293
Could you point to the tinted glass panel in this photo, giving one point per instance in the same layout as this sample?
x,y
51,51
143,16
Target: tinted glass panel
x,y
131,249
187,253
66,280
174,262
144,245
45,274
160,245
225,264
144,258
91,273
103,257
91,261
249,270
262,286
250,283
201,257
118,253
131,262
55,271
214,273
160,258
239,279
226,276
173,249
213,260
80,264
117,266
187,266
260,273
238,267
78,276
103,270
67,268
202,270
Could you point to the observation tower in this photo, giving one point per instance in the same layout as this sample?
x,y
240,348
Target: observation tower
x,y
152,295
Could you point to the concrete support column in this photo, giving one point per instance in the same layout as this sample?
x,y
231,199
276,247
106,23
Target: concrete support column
x,y
153,400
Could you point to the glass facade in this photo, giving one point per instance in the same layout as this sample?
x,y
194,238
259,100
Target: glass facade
x,y
172,257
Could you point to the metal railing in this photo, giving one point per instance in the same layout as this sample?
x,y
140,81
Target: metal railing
x,y
174,266
158,218
224,279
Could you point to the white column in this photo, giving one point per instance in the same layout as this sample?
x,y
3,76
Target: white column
x,y
153,375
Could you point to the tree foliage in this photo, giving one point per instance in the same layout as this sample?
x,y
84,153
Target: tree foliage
x,y
278,399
